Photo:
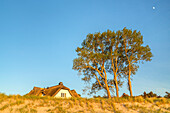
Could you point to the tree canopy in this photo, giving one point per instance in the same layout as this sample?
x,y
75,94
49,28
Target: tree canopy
x,y
134,52
104,58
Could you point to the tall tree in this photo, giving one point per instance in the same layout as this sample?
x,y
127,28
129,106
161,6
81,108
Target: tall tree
x,y
100,54
115,66
92,60
134,52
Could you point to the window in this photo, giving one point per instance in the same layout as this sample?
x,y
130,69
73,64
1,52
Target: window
x,y
43,94
63,94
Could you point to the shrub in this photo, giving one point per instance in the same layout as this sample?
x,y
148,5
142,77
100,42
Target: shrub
x,y
144,94
125,95
167,95
97,96
2,95
150,94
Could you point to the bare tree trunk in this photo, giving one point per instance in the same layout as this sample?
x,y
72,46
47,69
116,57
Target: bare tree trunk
x,y
107,88
117,90
108,93
129,82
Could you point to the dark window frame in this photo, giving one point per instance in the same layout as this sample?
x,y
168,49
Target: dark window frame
x,y
63,94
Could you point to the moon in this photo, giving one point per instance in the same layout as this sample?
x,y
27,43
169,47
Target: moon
x,y
153,8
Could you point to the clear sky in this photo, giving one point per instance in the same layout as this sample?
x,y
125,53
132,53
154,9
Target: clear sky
x,y
38,39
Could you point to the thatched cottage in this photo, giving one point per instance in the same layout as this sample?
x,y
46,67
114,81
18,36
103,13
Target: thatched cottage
x,y
59,91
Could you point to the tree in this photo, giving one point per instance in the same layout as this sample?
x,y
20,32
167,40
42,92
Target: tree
x,y
114,53
99,55
134,51
115,66
92,60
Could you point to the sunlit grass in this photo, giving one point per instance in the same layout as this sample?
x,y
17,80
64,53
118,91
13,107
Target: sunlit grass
x,y
24,104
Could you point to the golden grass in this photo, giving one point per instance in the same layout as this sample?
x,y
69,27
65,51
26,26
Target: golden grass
x,y
34,104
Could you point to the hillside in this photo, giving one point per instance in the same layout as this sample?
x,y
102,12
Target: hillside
x,y
33,104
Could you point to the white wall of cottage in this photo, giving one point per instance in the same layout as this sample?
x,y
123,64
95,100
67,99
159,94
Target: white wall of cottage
x,y
58,95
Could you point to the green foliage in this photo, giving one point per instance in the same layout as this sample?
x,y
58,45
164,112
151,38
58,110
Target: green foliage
x,y
94,59
134,52
117,53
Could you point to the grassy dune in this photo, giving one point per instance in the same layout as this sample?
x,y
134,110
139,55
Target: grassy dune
x,y
34,104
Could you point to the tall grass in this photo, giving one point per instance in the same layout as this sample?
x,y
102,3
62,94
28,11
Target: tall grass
x,y
32,103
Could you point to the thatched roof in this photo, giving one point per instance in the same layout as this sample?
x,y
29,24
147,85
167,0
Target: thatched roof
x,y
36,91
75,93
52,91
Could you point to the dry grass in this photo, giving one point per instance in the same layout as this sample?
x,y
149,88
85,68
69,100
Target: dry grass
x,y
34,104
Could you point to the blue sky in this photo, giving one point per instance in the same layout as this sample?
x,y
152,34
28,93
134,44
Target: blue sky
x,y
38,39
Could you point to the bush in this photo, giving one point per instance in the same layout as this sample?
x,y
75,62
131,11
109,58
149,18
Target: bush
x,y
167,95
97,96
2,95
125,95
149,95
